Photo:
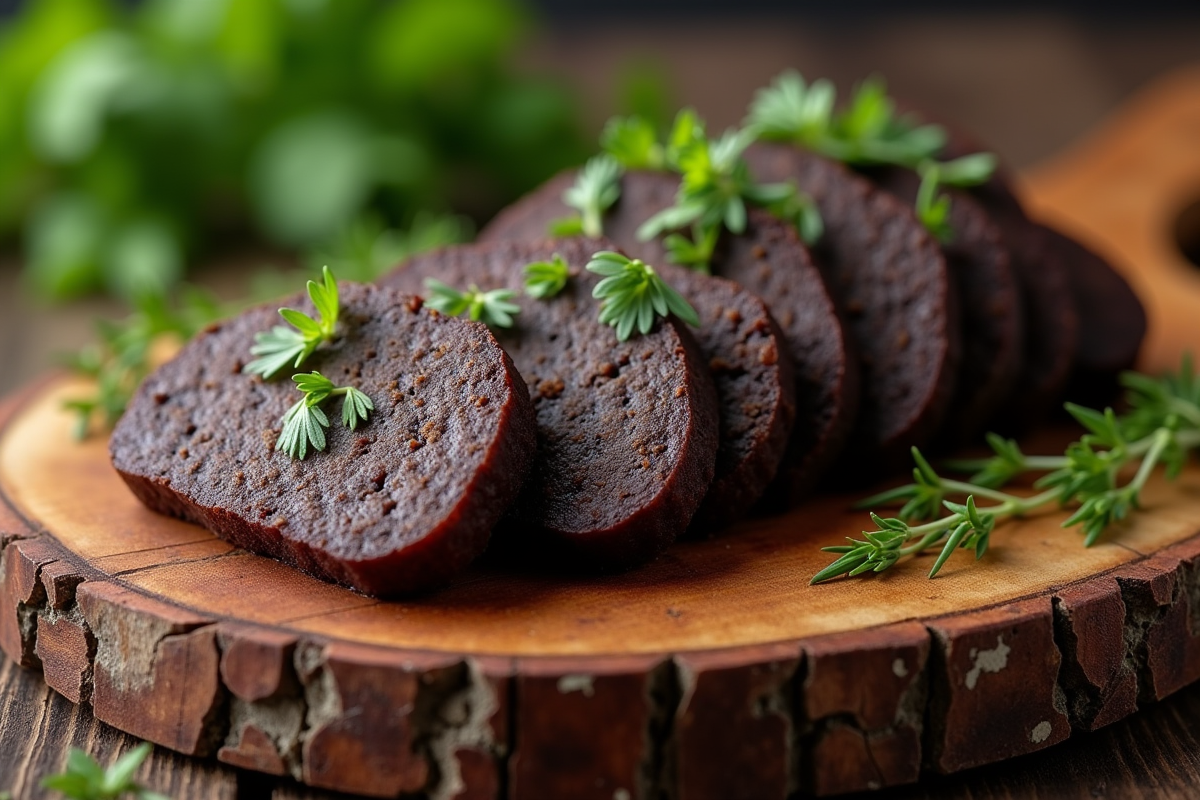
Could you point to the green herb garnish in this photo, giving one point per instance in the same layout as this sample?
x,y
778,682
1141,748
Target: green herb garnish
x,y
545,279
84,779
281,348
932,208
632,294
304,424
867,131
597,186
1161,427
715,188
492,308
792,110
123,355
633,142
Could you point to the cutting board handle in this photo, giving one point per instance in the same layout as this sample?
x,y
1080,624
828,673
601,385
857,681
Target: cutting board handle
x,y
1131,190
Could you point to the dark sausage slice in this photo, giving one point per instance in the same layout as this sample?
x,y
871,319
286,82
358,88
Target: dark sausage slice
x,y
772,263
894,284
396,507
1112,322
1051,314
643,194
748,359
989,297
627,431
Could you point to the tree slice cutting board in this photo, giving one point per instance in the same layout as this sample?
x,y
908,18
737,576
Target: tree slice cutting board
x,y
715,672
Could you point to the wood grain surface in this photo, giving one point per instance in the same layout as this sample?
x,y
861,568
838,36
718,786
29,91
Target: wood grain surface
x,y
715,672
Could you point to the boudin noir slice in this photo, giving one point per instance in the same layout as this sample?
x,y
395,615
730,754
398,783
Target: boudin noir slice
x,y
992,320
895,287
1051,319
399,505
627,431
756,391
772,263
1112,322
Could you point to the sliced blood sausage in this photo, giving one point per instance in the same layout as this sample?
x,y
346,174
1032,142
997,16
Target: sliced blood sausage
x,y
773,264
627,431
1112,322
896,289
1047,297
752,371
399,505
771,261
989,297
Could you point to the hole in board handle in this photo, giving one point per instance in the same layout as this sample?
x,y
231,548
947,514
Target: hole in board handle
x,y
1187,233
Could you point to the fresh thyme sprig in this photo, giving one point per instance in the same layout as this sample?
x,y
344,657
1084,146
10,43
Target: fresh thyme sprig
x,y
545,279
304,424
1162,426
633,294
282,348
84,779
493,307
597,186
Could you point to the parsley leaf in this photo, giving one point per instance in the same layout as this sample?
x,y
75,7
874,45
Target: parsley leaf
x,y
303,425
867,131
933,209
84,779
715,187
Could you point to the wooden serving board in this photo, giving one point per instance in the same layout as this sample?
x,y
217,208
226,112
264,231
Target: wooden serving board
x,y
715,672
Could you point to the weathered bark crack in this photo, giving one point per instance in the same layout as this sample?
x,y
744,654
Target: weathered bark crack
x,y
658,776
1142,612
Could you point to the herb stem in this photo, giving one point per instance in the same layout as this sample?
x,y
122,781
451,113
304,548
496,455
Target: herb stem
x,y
981,491
1045,463
1161,440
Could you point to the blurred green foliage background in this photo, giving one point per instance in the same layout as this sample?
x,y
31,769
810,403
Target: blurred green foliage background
x,y
135,141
